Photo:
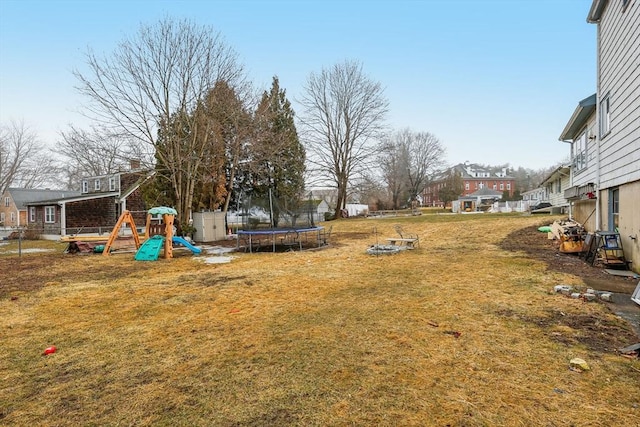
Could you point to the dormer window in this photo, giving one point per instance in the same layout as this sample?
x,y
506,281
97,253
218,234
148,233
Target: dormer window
x,y
85,186
96,185
112,183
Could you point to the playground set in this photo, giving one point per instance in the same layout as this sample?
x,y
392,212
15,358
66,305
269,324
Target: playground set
x,y
159,235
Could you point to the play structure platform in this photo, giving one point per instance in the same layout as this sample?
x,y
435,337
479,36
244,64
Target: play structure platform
x,y
159,234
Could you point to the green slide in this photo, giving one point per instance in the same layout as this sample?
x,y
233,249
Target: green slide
x,y
150,249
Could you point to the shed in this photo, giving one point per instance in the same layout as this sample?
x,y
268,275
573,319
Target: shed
x,y
209,226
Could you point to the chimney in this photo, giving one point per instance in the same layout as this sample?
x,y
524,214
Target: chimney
x,y
134,164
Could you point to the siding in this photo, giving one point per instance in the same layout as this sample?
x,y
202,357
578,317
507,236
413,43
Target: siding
x,y
619,77
589,173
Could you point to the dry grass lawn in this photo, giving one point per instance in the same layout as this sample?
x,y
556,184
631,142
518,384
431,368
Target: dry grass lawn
x,y
456,333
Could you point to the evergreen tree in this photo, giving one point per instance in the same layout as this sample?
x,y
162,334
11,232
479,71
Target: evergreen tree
x,y
278,157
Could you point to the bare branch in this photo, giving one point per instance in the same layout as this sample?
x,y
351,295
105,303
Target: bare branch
x,y
344,114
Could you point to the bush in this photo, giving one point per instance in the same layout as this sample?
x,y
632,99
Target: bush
x,y
32,233
188,230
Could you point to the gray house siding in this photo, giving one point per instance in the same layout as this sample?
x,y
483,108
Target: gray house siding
x,y
618,43
619,79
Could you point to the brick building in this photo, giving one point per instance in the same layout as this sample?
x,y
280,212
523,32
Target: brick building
x,y
473,178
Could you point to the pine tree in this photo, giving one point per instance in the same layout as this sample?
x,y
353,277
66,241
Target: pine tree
x,y
278,156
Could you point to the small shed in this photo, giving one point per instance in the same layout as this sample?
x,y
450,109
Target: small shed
x,y
209,226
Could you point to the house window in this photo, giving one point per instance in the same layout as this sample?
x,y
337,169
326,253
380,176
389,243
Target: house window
x,y
96,185
605,116
32,214
112,183
466,186
7,202
502,185
559,185
49,214
579,152
509,186
614,209
495,186
85,186
12,215
2,217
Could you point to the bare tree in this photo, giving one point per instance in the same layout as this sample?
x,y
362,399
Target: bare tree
x,y
394,164
18,150
154,82
343,114
408,158
94,152
426,157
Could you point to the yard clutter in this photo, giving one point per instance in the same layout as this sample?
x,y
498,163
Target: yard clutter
x,y
588,295
579,365
49,350
403,241
571,235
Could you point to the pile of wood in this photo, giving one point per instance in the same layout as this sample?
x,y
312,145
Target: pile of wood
x,y
570,234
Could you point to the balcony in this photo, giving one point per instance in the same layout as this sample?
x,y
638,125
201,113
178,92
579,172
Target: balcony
x,y
581,192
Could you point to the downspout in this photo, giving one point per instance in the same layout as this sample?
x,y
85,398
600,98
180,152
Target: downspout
x,y
63,219
598,127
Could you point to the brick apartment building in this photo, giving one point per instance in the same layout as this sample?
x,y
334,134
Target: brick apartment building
x,y
473,178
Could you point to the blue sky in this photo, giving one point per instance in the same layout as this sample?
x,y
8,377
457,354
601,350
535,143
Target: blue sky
x,y
495,80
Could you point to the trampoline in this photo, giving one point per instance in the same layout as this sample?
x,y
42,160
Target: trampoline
x,y
291,236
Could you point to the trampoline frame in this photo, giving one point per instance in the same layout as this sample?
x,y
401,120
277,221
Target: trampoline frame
x,y
273,232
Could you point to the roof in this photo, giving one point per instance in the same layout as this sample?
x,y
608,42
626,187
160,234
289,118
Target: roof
x,y
486,192
595,13
76,198
23,196
494,172
583,111
561,170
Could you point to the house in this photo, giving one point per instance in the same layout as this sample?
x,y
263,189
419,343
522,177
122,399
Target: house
x,y
536,196
555,184
473,177
604,131
13,203
580,131
477,201
95,209
315,209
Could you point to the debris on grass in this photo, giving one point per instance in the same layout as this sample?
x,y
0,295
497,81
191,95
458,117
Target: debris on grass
x,y
49,350
589,295
384,249
456,334
632,351
578,365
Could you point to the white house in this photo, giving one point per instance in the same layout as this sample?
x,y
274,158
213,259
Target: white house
x,y
535,196
555,184
604,130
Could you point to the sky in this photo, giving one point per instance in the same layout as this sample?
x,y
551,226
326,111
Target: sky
x,y
495,81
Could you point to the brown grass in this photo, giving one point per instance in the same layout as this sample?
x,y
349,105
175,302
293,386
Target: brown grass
x,y
458,332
